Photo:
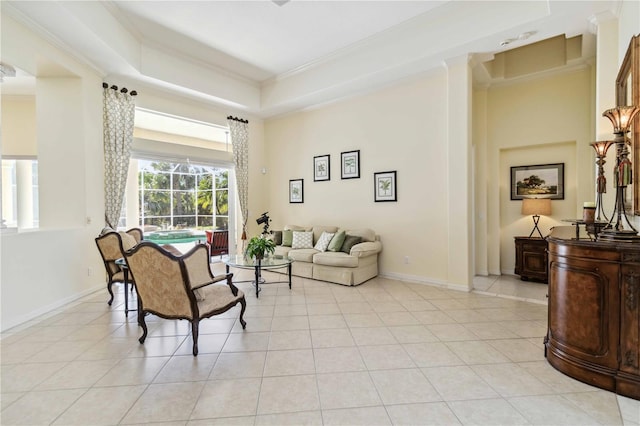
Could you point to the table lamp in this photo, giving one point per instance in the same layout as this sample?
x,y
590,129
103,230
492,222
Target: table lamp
x,y
536,207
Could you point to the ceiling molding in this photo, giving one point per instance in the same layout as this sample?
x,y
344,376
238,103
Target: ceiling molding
x,y
104,37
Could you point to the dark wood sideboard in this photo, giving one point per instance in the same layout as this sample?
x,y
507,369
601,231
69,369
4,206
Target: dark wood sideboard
x,y
594,315
531,258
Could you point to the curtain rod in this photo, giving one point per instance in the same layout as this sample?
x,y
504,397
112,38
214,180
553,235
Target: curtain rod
x,y
237,119
123,90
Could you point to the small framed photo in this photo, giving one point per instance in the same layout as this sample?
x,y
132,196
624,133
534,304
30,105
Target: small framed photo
x,y
296,191
350,164
385,186
321,168
539,181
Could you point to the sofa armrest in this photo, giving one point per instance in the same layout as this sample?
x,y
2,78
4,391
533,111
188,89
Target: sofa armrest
x,y
366,249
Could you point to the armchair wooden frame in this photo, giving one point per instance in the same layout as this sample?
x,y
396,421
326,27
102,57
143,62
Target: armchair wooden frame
x,y
111,249
180,287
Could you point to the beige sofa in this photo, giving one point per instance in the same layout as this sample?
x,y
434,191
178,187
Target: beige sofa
x,y
353,268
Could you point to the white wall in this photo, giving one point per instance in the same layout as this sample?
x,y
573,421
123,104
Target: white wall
x,y
18,132
185,107
45,268
42,269
403,128
543,121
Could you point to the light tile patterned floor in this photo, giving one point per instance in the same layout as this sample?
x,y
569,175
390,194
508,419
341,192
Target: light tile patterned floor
x,y
386,352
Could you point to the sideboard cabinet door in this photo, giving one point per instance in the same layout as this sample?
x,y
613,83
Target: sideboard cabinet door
x,y
628,382
581,296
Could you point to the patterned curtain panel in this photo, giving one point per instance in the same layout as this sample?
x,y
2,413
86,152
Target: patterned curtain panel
x,y
118,115
240,141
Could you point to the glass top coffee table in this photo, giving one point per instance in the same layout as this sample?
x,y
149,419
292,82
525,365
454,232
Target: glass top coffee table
x,y
269,262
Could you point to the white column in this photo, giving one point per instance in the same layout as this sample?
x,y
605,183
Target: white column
x,y
24,190
460,205
7,195
606,73
132,196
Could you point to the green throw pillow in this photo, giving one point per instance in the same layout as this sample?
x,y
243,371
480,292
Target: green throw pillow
x,y
350,241
287,237
336,242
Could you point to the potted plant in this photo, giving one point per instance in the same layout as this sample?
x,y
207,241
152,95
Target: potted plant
x,y
260,246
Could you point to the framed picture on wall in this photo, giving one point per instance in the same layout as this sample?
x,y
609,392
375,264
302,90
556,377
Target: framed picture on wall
x,y
385,186
321,168
296,191
350,164
539,181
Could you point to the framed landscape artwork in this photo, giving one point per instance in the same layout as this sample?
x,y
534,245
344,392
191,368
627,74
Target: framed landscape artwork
x,y
539,181
296,191
385,186
350,164
321,168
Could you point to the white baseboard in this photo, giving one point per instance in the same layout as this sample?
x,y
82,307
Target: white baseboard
x,y
424,280
15,322
507,296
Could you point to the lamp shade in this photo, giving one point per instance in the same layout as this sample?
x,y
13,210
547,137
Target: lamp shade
x,y
621,117
601,147
536,206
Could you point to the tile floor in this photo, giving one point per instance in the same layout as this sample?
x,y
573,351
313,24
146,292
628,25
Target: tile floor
x,y
511,286
386,352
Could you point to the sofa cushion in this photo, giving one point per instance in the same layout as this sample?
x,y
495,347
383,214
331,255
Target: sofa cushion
x,y
282,251
302,240
323,241
329,258
365,233
287,237
302,255
349,241
277,237
336,241
318,230
296,228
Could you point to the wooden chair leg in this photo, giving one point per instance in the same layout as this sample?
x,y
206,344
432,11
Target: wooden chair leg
x,y
109,284
244,306
194,335
141,322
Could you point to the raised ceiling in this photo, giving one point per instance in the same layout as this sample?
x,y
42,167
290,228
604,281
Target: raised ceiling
x,y
268,59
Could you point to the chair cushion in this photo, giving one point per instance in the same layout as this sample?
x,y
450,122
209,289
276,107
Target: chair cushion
x,y
216,296
128,241
171,249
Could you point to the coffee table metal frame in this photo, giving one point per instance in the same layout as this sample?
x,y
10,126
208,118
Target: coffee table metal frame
x,y
125,269
269,262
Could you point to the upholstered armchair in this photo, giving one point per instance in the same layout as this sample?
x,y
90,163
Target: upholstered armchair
x,y
112,245
180,287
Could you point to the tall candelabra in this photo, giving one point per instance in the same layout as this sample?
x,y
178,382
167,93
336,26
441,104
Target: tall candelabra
x,y
622,229
601,148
